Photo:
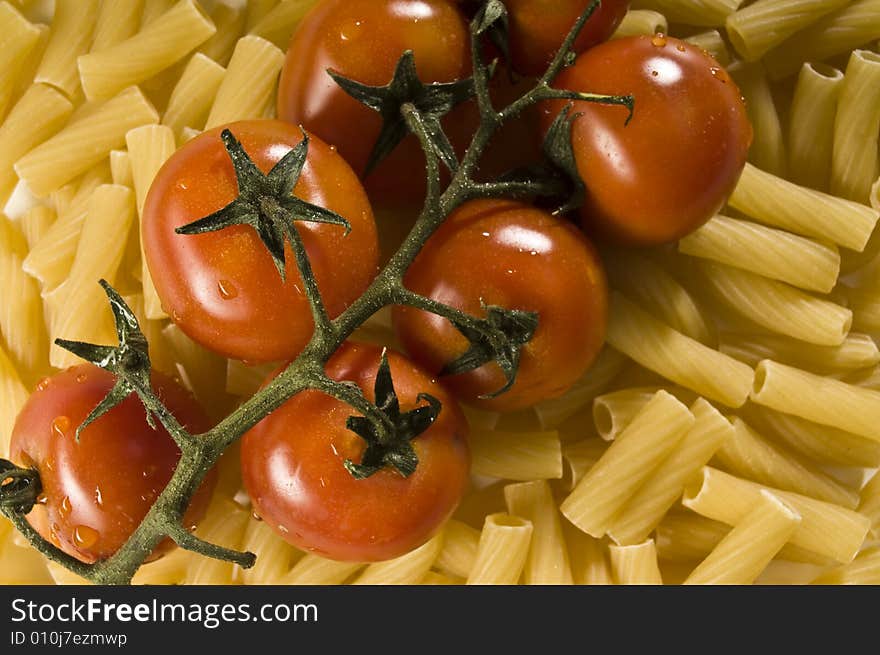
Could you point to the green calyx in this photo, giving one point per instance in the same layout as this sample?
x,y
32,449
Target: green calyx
x,y
266,202
389,444
19,487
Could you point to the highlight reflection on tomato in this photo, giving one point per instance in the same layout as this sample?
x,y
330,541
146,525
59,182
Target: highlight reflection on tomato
x,y
674,165
96,491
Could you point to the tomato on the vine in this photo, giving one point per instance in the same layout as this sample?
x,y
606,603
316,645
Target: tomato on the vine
x,y
222,288
538,28
293,466
674,165
508,254
98,490
363,40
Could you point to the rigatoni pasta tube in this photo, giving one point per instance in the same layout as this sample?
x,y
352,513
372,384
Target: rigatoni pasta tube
x,y
776,202
589,557
409,568
606,487
13,395
117,20
869,504
502,551
773,253
748,455
711,13
556,410
84,143
636,564
460,542
19,133
224,524
825,529
838,32
857,351
193,94
863,570
767,151
646,508
547,562
19,39
777,306
229,22
249,82
856,162
764,24
274,555
818,399
316,570
516,455
749,547
578,458
712,42
641,21
658,347
279,23
70,36
811,125
165,41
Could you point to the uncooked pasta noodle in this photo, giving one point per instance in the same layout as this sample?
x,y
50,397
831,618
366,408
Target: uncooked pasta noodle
x,y
727,433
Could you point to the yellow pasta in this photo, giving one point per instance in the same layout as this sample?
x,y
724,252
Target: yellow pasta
x,y
819,399
547,561
460,542
768,146
811,125
224,524
856,352
825,529
856,162
747,549
516,455
70,36
589,557
641,21
193,94
249,82
778,203
502,551
773,253
604,490
13,395
278,24
864,302
274,555
406,569
747,454
758,27
849,27
18,40
710,13
36,223
777,306
675,356
712,42
869,504
863,570
165,41
230,22
646,508
315,570
117,21
635,565
85,142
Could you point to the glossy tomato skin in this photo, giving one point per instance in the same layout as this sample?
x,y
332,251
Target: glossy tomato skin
x,y
512,255
538,28
292,467
363,41
673,167
96,492
222,288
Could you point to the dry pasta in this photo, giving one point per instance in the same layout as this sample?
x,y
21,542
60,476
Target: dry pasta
x,y
635,565
502,551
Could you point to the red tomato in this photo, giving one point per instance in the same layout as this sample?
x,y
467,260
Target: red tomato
x,y
363,41
97,491
293,467
222,288
538,28
673,167
508,254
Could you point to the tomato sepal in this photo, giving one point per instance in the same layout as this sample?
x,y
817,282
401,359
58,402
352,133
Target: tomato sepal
x,y
19,487
388,445
431,101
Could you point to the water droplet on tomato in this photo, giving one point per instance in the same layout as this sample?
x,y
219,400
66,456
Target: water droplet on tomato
x,y
42,499
659,39
175,316
84,536
281,528
60,425
99,497
720,74
53,534
82,377
227,289
42,384
64,510
654,73
680,47
256,516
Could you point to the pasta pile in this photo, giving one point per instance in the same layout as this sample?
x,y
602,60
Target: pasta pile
x,y
728,433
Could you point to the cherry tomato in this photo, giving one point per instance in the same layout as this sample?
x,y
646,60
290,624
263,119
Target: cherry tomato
x,y
293,467
222,288
363,41
538,28
508,254
673,167
96,491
